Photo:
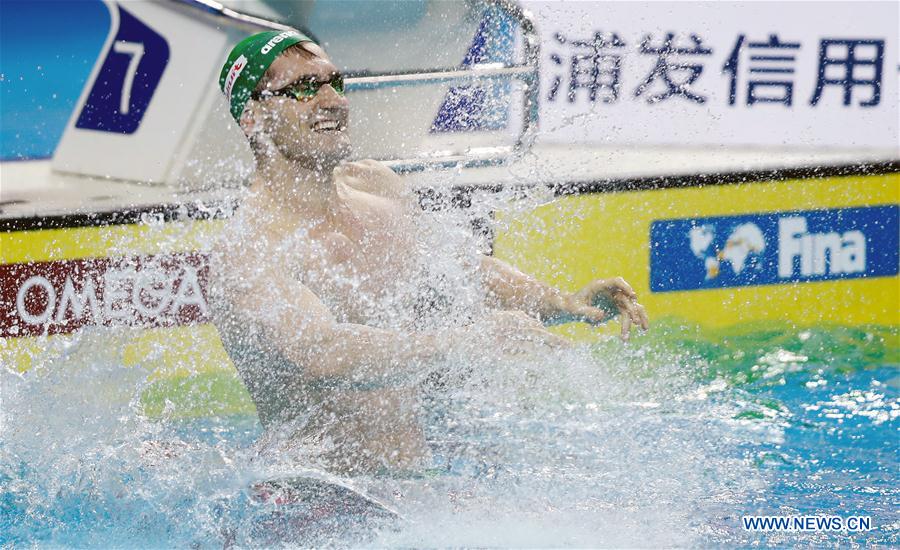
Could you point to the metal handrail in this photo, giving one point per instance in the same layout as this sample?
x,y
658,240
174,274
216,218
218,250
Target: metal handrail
x,y
246,21
527,72
362,80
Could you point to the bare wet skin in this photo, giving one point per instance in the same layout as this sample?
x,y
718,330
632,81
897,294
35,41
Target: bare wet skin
x,y
325,272
358,257
354,260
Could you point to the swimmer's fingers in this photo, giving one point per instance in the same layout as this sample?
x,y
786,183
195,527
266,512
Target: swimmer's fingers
x,y
626,327
618,284
633,313
616,290
638,314
612,287
644,318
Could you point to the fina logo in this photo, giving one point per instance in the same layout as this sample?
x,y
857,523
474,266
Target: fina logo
x,y
819,253
774,248
746,240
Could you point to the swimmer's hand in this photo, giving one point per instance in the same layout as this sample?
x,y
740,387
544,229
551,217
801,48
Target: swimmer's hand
x,y
613,296
511,332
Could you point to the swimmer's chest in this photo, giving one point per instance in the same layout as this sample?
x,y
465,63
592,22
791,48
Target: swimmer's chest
x,y
366,253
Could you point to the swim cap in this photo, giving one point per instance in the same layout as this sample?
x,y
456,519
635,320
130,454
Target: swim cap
x,y
248,62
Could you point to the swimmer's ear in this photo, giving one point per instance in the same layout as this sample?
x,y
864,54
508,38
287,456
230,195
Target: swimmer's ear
x,y
249,122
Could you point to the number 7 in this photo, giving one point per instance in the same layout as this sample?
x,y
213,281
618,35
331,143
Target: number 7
x,y
136,51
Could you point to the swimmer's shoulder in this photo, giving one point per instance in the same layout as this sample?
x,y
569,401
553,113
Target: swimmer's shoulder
x,y
373,177
249,239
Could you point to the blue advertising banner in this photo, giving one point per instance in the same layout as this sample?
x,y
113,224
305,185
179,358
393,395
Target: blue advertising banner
x,y
774,248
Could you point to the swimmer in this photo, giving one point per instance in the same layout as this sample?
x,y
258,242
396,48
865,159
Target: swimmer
x,y
319,251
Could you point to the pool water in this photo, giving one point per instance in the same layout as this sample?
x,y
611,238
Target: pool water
x,y
667,441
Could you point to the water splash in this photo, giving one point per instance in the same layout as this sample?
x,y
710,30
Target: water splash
x,y
648,445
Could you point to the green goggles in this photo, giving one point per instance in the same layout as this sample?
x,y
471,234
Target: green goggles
x,y
303,90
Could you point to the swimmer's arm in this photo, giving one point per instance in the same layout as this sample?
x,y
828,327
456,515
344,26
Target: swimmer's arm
x,y
302,328
512,289
374,177
509,288
365,354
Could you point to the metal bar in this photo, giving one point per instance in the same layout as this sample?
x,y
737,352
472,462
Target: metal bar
x,y
531,99
438,76
473,158
251,22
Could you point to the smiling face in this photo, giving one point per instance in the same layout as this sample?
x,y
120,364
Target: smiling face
x,y
311,130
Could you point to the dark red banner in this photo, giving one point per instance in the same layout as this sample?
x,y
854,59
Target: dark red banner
x,y
63,296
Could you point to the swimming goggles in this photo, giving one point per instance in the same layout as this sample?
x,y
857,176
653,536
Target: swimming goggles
x,y
304,90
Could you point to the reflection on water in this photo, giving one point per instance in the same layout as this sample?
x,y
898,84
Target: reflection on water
x,y
665,442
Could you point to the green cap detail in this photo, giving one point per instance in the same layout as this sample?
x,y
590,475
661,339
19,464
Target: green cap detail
x,y
248,62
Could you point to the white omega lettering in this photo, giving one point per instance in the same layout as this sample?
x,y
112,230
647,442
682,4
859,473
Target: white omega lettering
x,y
72,299
188,292
115,293
152,284
44,316
819,253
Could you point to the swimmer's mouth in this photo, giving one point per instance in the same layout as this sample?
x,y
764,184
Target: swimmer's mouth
x,y
329,126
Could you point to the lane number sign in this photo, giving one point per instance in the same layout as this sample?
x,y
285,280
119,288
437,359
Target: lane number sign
x,y
129,76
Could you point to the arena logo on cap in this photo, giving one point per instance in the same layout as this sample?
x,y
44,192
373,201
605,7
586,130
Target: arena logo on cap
x,y
275,40
233,73
773,248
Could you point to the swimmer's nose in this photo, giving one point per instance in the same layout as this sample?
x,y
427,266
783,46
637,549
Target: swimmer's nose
x,y
328,97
